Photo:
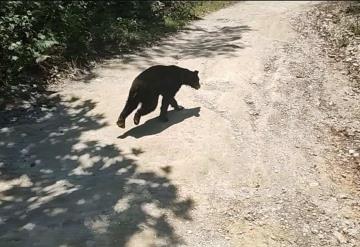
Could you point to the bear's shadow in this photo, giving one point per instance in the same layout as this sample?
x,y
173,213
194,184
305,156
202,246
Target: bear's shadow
x,y
154,126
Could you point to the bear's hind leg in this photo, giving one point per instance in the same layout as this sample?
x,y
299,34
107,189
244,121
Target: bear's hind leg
x,y
130,106
146,107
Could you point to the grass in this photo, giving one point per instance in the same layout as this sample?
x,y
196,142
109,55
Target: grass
x,y
205,7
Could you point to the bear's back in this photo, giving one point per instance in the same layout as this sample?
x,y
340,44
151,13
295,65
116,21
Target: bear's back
x,y
159,78
160,72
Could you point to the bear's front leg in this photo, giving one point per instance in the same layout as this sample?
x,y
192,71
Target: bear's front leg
x,y
174,104
164,107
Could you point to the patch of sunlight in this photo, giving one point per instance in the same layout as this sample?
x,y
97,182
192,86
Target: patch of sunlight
x,y
96,197
151,209
68,157
109,162
98,225
47,116
2,220
6,130
85,161
31,199
121,171
146,236
10,144
7,199
54,141
61,187
122,204
26,150
22,181
28,227
137,181
46,171
79,146
79,171
55,134
81,202
165,185
55,211
154,185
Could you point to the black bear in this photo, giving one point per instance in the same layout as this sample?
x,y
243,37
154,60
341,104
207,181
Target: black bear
x,y
154,81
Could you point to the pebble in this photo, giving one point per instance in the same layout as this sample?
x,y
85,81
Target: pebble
x,y
343,196
314,184
340,237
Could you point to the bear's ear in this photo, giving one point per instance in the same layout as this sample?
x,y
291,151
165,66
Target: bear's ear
x,y
196,72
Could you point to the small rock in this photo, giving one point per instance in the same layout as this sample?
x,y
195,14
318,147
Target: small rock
x,y
249,101
340,237
314,231
343,196
273,237
314,184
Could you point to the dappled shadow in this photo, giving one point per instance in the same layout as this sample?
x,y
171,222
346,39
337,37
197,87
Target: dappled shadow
x,y
207,43
154,126
193,41
59,190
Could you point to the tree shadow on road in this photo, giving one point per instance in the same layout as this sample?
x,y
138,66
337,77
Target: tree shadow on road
x,y
192,42
59,190
154,126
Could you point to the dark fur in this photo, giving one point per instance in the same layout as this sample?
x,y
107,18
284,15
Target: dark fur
x,y
154,81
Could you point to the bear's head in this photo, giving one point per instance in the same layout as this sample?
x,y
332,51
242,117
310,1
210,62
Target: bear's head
x,y
191,78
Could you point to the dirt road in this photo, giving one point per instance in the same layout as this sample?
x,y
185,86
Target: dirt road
x,y
243,165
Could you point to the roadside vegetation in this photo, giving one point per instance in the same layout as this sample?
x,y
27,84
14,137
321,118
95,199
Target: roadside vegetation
x,y
42,40
338,23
